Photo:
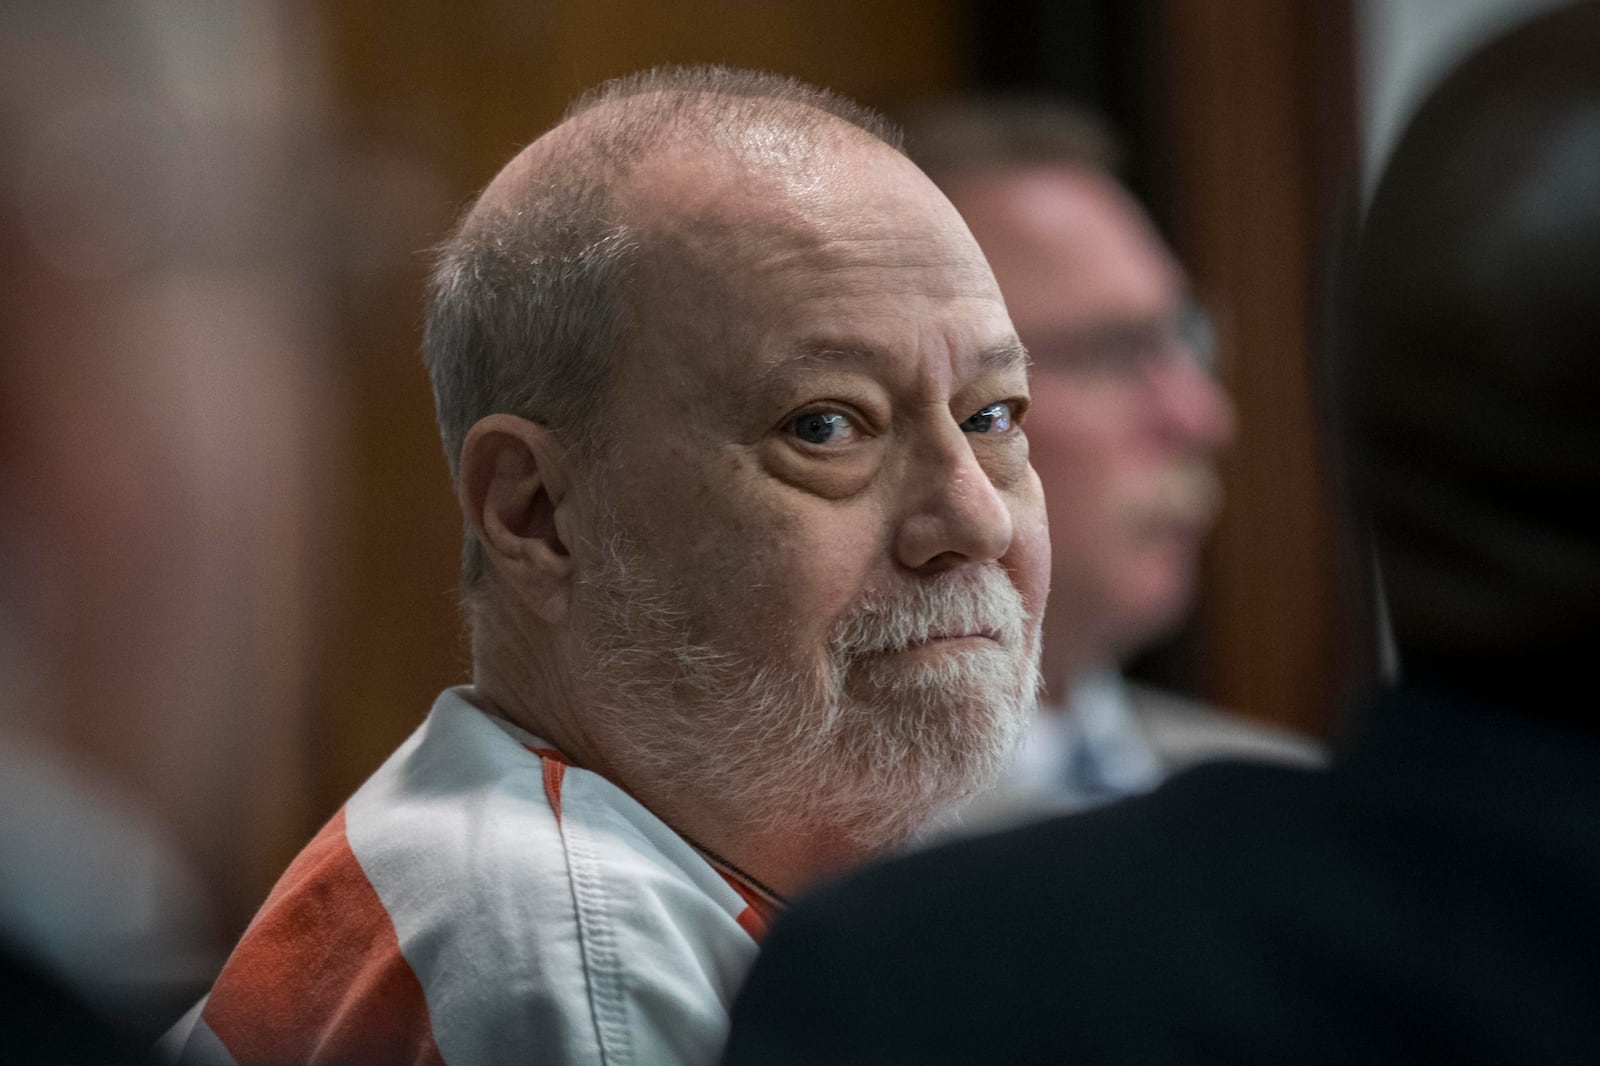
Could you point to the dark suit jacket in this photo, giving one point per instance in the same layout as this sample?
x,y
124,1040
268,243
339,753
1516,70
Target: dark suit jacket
x,y
1434,897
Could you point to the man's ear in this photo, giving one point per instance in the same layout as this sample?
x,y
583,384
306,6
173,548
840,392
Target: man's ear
x,y
514,478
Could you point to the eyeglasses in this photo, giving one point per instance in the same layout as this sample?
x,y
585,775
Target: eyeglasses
x,y
1123,350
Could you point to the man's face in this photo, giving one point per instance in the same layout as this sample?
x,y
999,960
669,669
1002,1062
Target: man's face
x,y
825,557
1125,418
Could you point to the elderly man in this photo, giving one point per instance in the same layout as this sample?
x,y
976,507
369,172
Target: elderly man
x,y
1435,895
1126,423
755,564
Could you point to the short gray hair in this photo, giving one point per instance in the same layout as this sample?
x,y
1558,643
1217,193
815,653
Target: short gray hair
x,y
529,302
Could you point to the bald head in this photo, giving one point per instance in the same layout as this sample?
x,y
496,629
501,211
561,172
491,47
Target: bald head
x,y
534,297
750,117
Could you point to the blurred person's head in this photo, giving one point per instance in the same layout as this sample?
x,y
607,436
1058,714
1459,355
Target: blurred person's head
x,y
1126,417
1471,352
733,405
160,411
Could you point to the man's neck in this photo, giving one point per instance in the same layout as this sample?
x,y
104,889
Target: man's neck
x,y
550,723
539,698
515,677
784,860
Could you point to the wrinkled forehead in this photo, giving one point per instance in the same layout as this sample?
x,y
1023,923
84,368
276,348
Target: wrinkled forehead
x,y
744,243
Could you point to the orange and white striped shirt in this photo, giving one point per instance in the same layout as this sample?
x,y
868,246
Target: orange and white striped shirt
x,y
480,901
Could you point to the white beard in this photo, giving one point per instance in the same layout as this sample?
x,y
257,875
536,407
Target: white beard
x,y
863,746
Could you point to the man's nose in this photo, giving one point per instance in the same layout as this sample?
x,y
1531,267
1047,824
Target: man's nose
x,y
957,515
1190,407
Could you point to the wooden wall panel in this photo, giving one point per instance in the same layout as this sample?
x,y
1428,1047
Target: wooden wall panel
x,y
1260,102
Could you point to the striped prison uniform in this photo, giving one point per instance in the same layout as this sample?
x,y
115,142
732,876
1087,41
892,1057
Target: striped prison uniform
x,y
479,901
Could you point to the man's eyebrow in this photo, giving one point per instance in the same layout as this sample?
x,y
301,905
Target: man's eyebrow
x,y
809,356
1011,355
1006,356
821,353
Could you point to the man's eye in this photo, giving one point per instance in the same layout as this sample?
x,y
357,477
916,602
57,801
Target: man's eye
x,y
996,418
823,427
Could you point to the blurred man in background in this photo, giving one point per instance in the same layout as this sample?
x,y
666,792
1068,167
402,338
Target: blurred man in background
x,y
162,398
1435,895
754,567
1126,423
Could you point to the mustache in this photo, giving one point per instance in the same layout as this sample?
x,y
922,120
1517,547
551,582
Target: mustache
x,y
969,602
